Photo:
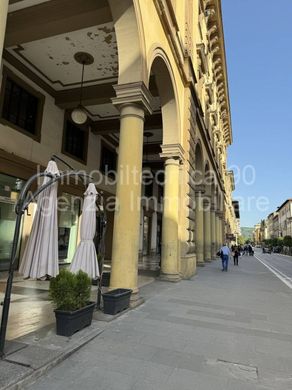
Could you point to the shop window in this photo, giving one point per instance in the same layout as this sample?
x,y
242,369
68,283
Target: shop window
x,y
69,211
9,192
21,107
108,160
75,141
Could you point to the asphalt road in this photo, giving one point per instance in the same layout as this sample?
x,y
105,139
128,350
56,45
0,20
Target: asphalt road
x,y
279,265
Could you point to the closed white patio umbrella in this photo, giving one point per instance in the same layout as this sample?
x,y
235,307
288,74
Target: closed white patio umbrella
x,y
40,257
85,257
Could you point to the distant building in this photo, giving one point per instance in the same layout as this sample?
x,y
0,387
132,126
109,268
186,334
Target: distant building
x,y
276,232
270,226
257,234
285,218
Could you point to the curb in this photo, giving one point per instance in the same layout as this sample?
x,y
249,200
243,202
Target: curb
x,y
35,374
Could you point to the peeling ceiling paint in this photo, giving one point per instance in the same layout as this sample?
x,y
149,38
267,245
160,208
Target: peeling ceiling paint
x,y
53,58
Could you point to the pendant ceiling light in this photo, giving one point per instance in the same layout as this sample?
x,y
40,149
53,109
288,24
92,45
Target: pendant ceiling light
x,y
79,115
148,135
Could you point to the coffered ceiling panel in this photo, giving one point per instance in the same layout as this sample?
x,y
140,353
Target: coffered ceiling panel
x,y
53,58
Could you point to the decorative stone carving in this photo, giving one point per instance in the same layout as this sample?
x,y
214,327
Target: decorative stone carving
x,y
135,93
174,151
212,29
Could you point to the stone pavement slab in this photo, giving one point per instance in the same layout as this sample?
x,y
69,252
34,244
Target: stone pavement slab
x,y
31,356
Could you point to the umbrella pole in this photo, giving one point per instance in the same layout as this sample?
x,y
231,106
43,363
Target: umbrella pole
x,y
6,303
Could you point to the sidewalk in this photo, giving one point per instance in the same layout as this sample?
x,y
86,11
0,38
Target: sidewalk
x,y
228,331
31,309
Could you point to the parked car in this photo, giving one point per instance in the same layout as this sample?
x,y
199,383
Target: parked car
x,y
267,250
277,249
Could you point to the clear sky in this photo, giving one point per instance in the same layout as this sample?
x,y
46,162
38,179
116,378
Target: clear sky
x,y
258,39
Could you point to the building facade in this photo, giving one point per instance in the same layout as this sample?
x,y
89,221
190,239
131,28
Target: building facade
x,y
151,79
285,218
257,234
270,226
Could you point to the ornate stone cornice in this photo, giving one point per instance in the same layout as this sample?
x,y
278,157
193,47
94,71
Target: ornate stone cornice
x,y
133,93
200,189
213,15
174,151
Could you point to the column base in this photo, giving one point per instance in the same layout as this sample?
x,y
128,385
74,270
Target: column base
x,y
208,260
200,264
188,266
136,300
174,278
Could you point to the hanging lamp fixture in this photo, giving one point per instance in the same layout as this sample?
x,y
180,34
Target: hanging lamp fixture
x,y
148,135
79,115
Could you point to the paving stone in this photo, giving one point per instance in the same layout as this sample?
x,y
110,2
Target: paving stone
x,y
13,346
11,373
33,356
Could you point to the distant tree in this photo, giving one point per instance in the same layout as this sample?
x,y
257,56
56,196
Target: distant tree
x,y
287,241
241,240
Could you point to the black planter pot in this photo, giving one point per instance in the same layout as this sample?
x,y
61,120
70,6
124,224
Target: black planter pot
x,y
69,322
116,301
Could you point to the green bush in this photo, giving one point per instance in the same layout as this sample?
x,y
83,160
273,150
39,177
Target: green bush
x,y
69,291
287,241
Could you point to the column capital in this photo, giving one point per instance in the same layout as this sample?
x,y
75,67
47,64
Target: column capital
x,y
173,151
133,93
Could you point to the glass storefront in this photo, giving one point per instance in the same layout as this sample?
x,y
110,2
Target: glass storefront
x,y
9,193
69,212
68,220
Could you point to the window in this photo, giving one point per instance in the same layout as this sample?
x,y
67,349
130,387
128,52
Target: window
x,y
75,141
21,106
108,160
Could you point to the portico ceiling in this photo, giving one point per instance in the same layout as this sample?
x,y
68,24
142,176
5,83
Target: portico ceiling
x,y
42,37
52,58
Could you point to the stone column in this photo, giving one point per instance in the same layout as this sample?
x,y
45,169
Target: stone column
x,y
3,18
218,237
153,244
132,100
213,232
207,231
199,227
170,247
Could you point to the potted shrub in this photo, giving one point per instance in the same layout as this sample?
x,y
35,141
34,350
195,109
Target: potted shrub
x,y
70,294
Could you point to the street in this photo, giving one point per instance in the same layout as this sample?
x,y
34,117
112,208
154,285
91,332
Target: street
x,y
228,331
280,265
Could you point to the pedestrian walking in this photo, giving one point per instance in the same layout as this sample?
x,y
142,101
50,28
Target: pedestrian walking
x,y
235,254
225,253
250,250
